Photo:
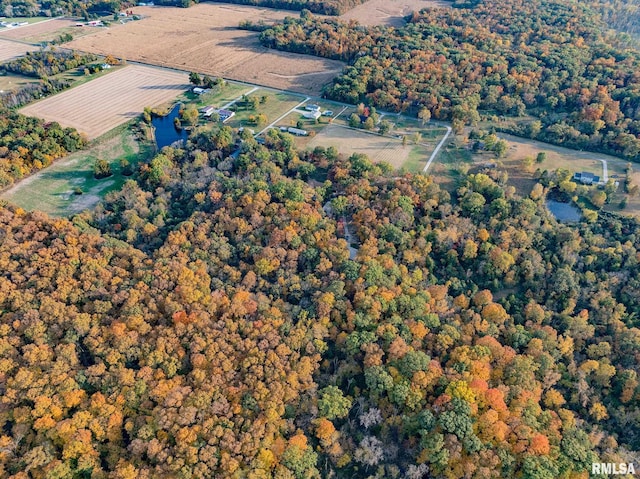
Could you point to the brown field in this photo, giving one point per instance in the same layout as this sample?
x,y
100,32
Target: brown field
x,y
204,38
35,30
388,12
376,147
102,104
9,49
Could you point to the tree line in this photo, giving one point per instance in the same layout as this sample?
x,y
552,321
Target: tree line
x,y
44,63
29,144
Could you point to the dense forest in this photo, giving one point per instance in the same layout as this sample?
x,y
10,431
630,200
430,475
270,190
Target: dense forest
x,y
29,144
207,321
555,64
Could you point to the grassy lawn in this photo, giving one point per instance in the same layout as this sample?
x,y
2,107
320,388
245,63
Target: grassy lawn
x,y
418,157
11,81
77,77
29,20
447,168
276,105
219,96
52,190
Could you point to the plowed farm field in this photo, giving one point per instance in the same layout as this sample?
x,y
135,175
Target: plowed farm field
x,y
100,105
205,38
9,50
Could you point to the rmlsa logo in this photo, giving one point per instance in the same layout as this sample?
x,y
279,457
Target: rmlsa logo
x,y
612,468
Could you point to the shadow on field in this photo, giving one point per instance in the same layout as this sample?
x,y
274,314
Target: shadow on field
x,y
164,87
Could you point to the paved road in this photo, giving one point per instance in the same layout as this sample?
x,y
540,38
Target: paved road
x,y
435,152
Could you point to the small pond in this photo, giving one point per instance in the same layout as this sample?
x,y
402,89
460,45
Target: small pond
x,y
166,132
564,212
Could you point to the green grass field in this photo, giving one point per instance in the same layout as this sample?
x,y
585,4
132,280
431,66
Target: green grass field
x,y
52,190
276,105
29,20
219,97
418,157
11,81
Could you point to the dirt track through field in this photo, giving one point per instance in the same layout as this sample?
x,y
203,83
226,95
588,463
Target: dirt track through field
x,y
9,49
204,38
102,104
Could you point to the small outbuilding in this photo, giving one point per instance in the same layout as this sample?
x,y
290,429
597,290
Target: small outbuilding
x,y
297,131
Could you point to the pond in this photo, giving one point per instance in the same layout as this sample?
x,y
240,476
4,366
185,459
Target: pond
x,y
564,212
165,130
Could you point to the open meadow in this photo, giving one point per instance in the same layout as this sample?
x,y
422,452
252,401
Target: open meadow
x,y
10,50
205,38
52,190
100,105
378,148
389,13
572,160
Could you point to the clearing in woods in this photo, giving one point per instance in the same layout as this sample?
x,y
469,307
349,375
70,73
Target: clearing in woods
x,y
100,105
9,49
384,12
205,38
53,190
378,148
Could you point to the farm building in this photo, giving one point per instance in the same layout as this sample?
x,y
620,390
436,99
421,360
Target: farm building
x,y
207,111
200,91
297,131
586,178
312,107
312,115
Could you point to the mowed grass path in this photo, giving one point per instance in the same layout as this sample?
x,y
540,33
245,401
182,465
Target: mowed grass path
x,y
52,190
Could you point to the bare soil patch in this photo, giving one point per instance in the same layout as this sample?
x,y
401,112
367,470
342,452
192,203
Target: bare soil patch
x,y
9,49
37,29
100,105
388,12
376,147
204,38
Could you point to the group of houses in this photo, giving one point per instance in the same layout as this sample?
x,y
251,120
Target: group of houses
x,y
223,115
312,112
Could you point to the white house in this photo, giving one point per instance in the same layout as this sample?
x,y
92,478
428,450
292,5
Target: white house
x,y
312,115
